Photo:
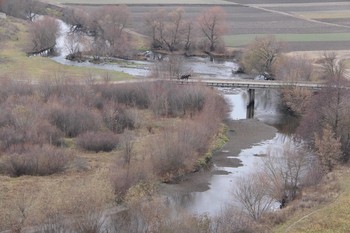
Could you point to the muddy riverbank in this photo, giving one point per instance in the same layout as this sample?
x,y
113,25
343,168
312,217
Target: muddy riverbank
x,y
242,134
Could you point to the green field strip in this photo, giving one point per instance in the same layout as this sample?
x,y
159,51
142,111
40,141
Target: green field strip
x,y
143,2
240,40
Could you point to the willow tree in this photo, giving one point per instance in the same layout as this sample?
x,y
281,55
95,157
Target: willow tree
x,y
169,30
261,55
213,25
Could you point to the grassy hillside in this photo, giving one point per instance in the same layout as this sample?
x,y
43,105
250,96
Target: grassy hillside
x,y
332,216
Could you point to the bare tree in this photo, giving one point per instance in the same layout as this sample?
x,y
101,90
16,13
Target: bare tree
x,y
111,24
127,143
332,67
297,99
283,171
293,68
169,30
173,31
189,34
328,148
77,17
43,33
171,68
25,9
74,43
31,9
213,26
329,107
155,24
261,55
253,195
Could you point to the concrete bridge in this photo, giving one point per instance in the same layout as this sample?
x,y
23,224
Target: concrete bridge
x,y
251,85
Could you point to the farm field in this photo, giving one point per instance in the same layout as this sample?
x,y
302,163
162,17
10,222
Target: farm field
x,y
95,2
306,25
242,40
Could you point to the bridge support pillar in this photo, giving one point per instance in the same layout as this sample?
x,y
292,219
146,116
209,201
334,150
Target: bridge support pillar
x,y
250,106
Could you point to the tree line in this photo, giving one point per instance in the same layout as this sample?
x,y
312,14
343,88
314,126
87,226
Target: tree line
x,y
167,30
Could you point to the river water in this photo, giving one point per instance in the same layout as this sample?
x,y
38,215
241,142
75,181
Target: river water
x,y
198,66
219,194
267,109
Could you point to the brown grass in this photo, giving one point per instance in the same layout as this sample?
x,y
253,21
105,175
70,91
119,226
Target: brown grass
x,y
322,208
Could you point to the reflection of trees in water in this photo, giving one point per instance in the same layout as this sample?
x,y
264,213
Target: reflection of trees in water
x,y
269,104
266,99
245,96
182,200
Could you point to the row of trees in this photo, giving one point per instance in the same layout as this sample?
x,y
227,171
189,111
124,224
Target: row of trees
x,y
167,30
172,32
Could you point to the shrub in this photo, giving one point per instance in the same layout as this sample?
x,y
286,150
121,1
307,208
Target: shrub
x,y
172,100
74,120
118,118
172,155
134,94
182,101
10,138
124,177
40,161
98,141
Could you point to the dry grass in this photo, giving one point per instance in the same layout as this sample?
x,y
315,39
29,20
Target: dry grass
x,y
41,197
83,187
324,209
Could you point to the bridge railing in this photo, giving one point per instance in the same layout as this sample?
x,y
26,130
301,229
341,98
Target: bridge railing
x,y
252,84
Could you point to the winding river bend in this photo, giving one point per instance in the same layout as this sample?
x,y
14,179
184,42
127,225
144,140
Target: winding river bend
x,y
210,192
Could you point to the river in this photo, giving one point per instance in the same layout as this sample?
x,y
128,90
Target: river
x,y
211,191
199,66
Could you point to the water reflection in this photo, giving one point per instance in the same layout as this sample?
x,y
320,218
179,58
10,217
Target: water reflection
x,y
220,193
